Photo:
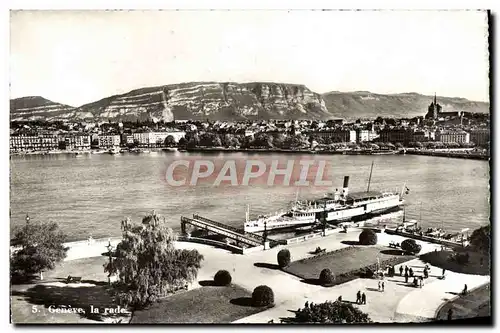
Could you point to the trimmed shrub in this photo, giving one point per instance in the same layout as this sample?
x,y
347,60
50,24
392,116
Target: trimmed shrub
x,y
222,278
367,237
262,296
326,277
411,246
284,258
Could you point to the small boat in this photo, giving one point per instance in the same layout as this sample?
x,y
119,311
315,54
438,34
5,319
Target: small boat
x,y
114,151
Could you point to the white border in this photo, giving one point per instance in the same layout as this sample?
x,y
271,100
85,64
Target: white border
x,y
178,4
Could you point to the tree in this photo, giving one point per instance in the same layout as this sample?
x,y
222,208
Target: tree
x,y
367,237
284,258
41,247
169,141
410,246
326,277
222,278
480,239
262,296
148,265
331,313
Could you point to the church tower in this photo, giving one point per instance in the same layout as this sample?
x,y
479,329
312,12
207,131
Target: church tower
x,y
434,109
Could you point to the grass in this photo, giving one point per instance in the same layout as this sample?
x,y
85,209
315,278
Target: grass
x,y
206,305
346,263
41,295
442,259
475,304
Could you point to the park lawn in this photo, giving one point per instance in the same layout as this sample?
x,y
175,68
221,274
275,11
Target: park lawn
x,y
40,295
475,304
345,261
206,305
441,259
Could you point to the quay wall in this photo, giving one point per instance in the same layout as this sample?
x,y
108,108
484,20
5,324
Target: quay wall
x,y
423,238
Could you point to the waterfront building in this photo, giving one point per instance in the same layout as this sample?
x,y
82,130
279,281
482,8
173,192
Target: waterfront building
x,y
480,136
396,135
109,141
457,136
74,142
156,139
338,135
33,142
362,135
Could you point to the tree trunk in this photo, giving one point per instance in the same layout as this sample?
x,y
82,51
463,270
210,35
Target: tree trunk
x,y
41,275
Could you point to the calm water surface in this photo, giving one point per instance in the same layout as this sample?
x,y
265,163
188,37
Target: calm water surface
x,y
90,194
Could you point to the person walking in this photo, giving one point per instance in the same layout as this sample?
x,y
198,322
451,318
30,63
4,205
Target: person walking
x,y
406,269
406,277
444,270
363,298
401,270
379,286
465,290
421,281
383,286
358,297
411,272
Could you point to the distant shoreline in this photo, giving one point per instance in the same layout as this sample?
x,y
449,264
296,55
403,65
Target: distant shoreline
x,y
436,153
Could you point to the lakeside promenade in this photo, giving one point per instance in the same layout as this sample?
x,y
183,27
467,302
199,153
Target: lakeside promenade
x,y
399,303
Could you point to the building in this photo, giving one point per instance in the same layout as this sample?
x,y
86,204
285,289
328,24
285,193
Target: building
x,y
156,139
365,135
434,111
480,136
74,142
49,142
396,135
34,142
109,141
338,135
453,136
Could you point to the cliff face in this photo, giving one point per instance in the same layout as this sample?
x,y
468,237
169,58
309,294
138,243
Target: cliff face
x,y
208,100
363,104
238,101
36,108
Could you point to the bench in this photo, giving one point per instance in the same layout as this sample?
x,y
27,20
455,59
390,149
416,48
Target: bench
x,y
73,279
319,250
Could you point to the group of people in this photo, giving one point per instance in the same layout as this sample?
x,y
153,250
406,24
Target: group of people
x,y
381,286
360,298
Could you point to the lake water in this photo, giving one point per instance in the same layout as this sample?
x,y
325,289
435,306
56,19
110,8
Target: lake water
x,y
90,194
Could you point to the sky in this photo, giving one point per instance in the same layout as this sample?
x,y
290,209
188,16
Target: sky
x,y
77,57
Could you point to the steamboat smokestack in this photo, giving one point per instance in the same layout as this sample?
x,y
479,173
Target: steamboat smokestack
x,y
345,190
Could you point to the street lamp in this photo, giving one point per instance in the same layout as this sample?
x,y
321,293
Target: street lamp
x,y
27,218
110,248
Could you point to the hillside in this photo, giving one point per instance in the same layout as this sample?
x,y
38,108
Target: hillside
x,y
36,108
238,101
208,100
363,104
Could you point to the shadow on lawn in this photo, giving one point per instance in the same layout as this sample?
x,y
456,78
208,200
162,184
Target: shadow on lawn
x,y
266,265
314,282
207,283
346,242
65,297
242,301
393,252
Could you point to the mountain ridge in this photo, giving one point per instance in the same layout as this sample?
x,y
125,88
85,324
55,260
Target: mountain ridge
x,y
238,101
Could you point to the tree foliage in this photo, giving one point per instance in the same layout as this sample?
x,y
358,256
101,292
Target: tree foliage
x,y
480,239
41,247
148,265
410,246
326,277
331,313
284,258
367,237
262,296
222,278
